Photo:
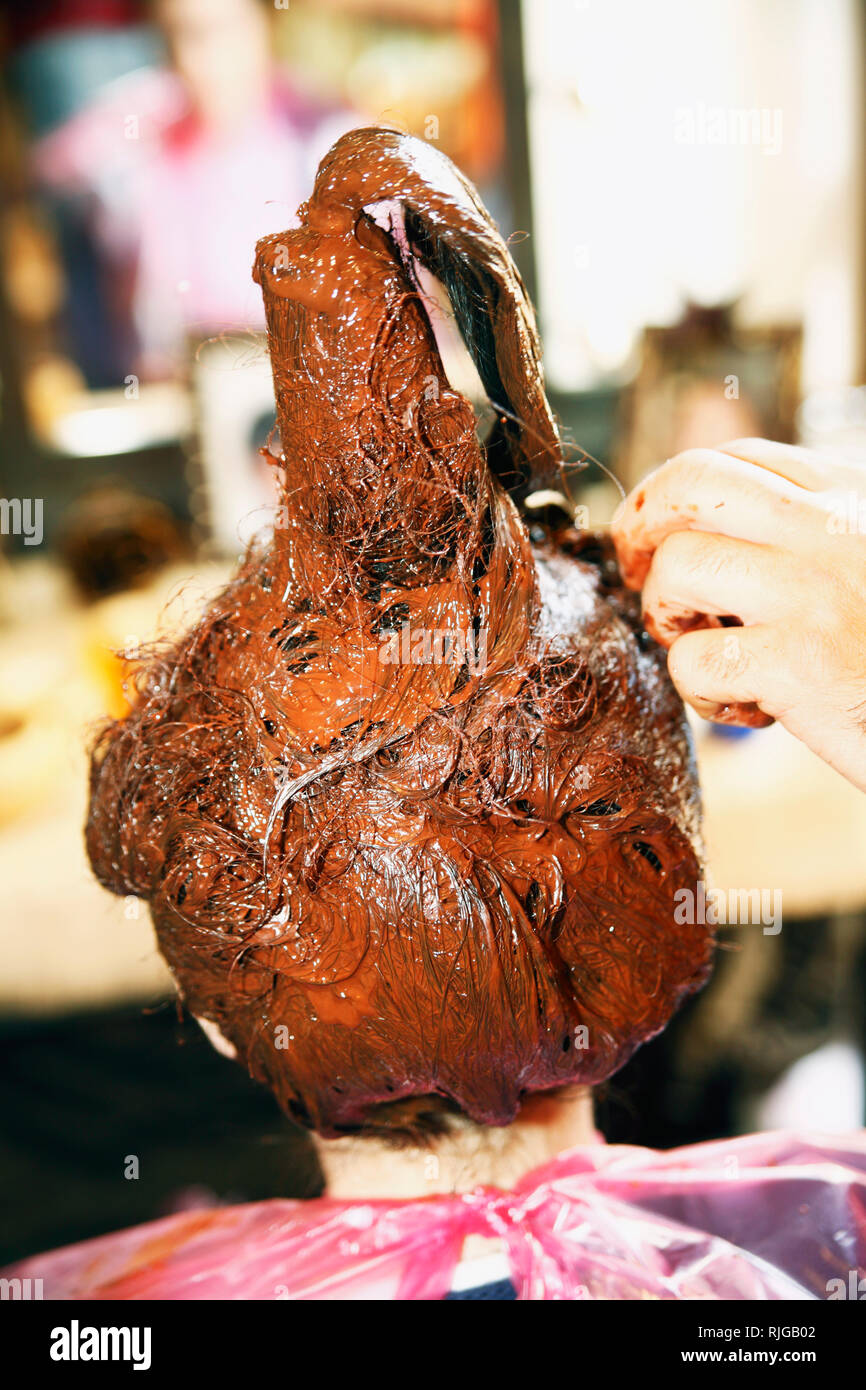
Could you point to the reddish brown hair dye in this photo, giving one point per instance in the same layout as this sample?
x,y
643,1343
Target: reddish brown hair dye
x,y
389,864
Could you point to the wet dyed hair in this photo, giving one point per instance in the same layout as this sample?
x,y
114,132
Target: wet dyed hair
x,y
390,865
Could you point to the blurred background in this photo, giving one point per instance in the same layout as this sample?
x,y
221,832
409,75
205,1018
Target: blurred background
x,y
682,186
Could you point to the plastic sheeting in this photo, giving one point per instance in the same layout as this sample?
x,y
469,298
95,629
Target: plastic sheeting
x,y
776,1216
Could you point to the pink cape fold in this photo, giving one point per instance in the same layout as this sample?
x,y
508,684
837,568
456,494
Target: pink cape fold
x,y
767,1216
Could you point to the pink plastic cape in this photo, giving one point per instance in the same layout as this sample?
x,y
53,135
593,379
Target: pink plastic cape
x,y
769,1216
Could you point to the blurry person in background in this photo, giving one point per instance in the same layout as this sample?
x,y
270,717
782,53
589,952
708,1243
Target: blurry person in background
x,y
169,175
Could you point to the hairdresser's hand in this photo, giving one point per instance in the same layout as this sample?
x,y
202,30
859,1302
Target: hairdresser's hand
x,y
752,561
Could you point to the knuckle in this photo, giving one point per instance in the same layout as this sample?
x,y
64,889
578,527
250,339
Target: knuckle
x,y
689,461
730,656
688,555
718,657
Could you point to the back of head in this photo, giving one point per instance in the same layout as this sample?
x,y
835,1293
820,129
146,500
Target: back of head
x,y
412,802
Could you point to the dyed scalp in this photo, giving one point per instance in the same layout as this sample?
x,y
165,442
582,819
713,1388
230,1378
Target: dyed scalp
x,y
387,866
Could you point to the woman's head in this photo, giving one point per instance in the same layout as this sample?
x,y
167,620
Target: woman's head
x,y
412,802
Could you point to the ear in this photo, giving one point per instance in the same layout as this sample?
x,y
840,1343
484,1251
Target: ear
x,y
452,235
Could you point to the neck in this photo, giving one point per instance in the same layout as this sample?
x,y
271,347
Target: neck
x,y
470,1156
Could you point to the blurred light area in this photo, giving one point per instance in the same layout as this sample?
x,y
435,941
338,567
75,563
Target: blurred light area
x,y
57,73
102,423
636,208
413,70
430,68
824,1092
835,419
